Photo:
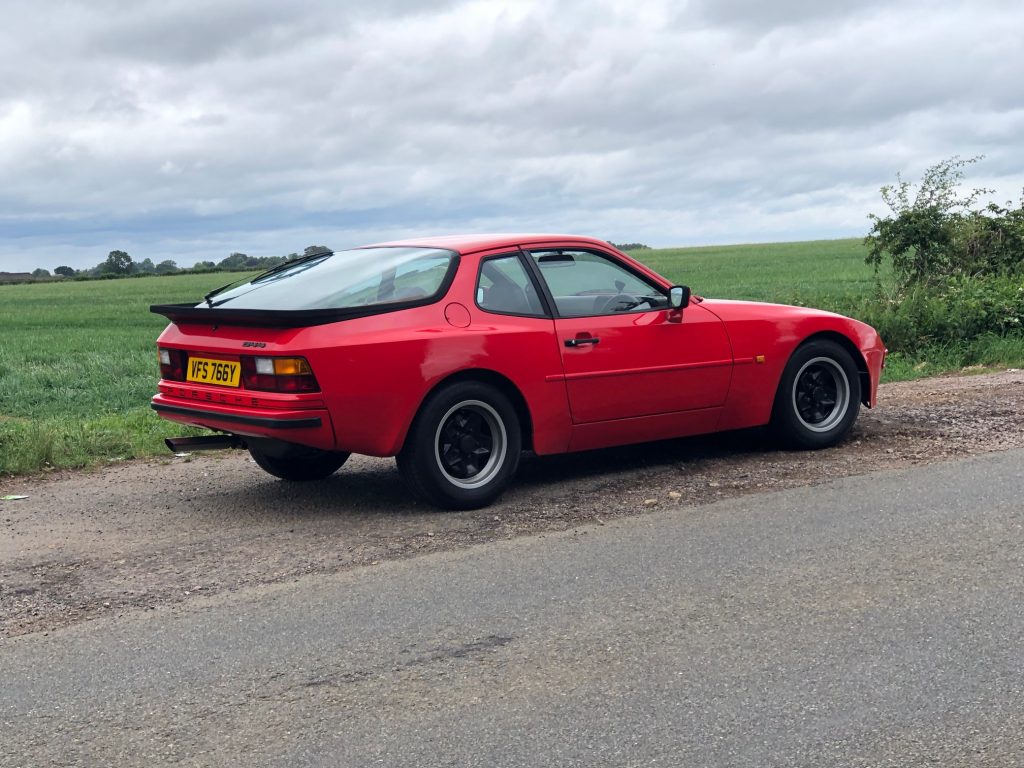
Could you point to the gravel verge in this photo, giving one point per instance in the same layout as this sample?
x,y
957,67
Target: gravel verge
x,y
156,534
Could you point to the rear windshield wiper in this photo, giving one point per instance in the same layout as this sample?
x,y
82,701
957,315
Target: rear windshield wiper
x,y
215,291
208,298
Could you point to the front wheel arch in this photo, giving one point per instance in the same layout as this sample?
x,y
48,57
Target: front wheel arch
x,y
858,360
818,396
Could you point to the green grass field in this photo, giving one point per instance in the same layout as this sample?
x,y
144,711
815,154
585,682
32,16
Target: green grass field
x,y
768,272
828,274
78,360
78,367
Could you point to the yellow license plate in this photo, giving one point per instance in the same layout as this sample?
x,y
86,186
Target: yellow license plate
x,y
206,371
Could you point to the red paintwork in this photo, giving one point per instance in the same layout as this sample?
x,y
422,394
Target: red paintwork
x,y
649,378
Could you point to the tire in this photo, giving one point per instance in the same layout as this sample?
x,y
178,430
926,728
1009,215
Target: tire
x,y
463,447
296,463
818,397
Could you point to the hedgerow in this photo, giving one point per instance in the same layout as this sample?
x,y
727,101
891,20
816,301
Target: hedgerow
x,y
957,266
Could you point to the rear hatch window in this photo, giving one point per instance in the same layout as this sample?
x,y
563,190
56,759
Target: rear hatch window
x,y
327,288
363,277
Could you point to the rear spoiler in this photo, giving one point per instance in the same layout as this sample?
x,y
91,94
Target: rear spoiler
x,y
277,318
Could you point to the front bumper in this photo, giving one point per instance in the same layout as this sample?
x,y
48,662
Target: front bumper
x,y
875,358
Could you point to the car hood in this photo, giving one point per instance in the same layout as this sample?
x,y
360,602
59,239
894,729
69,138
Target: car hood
x,y
787,316
730,309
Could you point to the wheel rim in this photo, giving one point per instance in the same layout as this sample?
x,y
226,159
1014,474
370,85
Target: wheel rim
x,y
821,394
470,444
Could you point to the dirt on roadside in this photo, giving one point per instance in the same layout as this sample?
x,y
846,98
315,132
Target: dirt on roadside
x,y
149,535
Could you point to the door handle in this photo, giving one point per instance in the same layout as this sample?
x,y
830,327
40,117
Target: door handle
x,y
579,342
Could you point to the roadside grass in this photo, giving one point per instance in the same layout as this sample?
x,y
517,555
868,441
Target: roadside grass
x,y
980,355
78,367
78,360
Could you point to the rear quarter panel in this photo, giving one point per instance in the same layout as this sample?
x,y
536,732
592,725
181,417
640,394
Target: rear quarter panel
x,y
375,374
376,371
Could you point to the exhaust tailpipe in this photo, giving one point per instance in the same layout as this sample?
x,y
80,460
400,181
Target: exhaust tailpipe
x,y
203,443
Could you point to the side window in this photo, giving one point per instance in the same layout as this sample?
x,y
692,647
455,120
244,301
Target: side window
x,y
503,286
584,283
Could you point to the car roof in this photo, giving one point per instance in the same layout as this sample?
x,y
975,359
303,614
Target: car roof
x,y
483,242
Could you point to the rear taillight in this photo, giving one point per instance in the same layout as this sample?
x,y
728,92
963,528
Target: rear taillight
x,y
278,374
172,364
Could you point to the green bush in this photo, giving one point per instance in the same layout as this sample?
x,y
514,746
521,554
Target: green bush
x,y
937,232
959,309
992,241
957,271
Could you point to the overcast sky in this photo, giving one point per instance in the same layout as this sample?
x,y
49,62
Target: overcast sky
x,y
188,129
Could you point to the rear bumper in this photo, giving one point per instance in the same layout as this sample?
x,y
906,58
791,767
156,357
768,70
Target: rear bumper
x,y
310,427
267,422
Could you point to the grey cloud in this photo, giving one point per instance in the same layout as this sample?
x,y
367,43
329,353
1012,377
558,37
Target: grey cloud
x,y
758,15
389,118
189,34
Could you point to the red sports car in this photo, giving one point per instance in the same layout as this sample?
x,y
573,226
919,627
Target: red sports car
x,y
455,354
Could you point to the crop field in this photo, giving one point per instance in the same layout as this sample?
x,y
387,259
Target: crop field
x,y
779,272
78,360
78,366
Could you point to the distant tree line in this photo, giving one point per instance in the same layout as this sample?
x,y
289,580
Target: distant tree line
x,y
120,264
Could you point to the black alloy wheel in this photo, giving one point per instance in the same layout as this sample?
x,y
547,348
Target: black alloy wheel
x,y
818,398
463,447
297,463
470,443
821,394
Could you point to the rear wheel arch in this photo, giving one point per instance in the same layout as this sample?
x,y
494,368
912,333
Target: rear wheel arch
x,y
464,445
502,383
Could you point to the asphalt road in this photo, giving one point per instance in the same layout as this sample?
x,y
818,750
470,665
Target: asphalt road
x,y
872,621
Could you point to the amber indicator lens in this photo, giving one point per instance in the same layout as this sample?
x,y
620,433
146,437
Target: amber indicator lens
x,y
278,374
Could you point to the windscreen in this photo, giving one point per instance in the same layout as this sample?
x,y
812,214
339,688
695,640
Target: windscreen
x,y
363,277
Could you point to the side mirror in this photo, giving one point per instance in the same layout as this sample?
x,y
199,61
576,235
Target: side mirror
x,y
679,296
678,300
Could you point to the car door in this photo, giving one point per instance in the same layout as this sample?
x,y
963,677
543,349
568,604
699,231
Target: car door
x,y
622,356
